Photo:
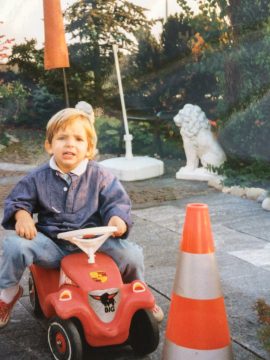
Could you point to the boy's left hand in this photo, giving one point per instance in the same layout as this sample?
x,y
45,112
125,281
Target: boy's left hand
x,y
120,224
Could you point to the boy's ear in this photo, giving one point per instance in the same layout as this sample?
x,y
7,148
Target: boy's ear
x,y
48,147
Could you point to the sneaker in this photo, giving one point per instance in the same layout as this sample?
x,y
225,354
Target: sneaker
x,y
5,309
158,313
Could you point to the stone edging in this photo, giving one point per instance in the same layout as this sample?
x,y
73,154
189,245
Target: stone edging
x,y
252,193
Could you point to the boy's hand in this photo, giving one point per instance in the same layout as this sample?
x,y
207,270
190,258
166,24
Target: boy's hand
x,y
25,226
120,224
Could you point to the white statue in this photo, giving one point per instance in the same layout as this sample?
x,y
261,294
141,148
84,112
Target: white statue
x,y
200,144
87,108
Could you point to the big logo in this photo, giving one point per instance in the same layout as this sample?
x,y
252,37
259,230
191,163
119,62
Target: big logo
x,y
105,303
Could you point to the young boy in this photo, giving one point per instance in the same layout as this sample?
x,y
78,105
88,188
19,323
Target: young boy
x,y
70,192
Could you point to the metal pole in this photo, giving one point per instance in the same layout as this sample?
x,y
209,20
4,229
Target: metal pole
x,y
65,88
128,136
166,10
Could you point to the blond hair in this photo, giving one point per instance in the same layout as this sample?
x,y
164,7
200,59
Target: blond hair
x,y
65,117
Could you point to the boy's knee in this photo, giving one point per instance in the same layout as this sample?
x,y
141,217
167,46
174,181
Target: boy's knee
x,y
134,255
10,242
13,244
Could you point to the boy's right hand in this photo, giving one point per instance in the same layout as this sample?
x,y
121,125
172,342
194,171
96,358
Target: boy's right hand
x,y
25,226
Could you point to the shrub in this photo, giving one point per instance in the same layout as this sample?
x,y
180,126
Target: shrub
x,y
13,97
246,134
110,138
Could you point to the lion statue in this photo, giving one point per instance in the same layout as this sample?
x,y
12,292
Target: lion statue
x,y
200,144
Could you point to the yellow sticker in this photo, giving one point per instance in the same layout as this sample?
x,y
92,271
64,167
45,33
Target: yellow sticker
x,y
99,276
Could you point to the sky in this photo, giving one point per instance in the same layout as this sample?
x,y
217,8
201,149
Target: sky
x,y
22,19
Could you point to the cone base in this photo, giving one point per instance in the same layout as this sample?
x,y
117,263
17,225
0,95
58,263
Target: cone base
x,y
176,352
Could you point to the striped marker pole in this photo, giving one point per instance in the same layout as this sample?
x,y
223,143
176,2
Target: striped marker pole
x,y
197,327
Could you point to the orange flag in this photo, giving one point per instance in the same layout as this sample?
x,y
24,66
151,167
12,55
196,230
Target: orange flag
x,y
56,52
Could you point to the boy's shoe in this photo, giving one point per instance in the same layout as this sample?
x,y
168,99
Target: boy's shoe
x,y
5,309
158,313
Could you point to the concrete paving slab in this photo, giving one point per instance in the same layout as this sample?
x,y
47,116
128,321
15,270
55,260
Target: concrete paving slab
x,y
258,257
249,226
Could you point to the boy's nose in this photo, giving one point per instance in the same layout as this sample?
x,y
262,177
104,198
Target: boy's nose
x,y
70,142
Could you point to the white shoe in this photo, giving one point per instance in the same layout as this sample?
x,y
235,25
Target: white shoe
x,y
158,313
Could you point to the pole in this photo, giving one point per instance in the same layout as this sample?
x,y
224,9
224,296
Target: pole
x,y
65,88
166,10
127,136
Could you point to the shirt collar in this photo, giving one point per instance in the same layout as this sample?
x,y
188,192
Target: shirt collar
x,y
79,170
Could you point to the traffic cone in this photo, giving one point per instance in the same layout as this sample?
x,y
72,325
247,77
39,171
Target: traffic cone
x,y
197,326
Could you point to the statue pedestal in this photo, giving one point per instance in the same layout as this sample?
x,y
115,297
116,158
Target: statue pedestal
x,y
135,168
199,174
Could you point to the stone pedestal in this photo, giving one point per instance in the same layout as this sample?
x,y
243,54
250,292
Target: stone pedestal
x,y
135,168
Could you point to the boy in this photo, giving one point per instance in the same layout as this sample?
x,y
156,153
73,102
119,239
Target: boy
x,y
70,192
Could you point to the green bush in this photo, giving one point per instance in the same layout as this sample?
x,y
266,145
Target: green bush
x,y
13,101
44,105
246,134
110,138
108,132
255,174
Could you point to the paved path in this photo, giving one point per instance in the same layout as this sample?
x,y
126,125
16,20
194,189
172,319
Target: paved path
x,y
242,237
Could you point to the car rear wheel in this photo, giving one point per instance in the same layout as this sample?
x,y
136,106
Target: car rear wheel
x,y
144,333
33,295
64,340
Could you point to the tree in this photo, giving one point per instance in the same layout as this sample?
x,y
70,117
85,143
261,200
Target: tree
x,y
236,37
96,25
175,36
29,61
148,55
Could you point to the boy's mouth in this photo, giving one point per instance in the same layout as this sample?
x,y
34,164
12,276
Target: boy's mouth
x,y
68,154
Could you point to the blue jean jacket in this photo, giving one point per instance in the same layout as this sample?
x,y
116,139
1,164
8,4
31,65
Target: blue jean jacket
x,y
90,200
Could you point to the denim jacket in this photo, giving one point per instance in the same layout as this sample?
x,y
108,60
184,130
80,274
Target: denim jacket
x,y
90,200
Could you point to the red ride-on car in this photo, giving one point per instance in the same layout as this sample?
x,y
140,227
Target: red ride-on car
x,y
87,299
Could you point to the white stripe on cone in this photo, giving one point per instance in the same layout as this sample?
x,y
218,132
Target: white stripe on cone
x,y
197,277
176,352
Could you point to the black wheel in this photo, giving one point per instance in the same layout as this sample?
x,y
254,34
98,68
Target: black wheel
x,y
143,333
34,296
64,340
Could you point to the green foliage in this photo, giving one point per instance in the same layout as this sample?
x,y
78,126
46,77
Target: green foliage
x,y
29,61
254,174
13,99
108,131
245,135
148,56
43,105
110,138
98,24
4,140
263,312
175,36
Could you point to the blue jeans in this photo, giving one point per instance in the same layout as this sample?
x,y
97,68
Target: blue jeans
x,y
19,253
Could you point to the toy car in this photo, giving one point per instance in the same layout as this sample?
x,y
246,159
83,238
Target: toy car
x,y
86,300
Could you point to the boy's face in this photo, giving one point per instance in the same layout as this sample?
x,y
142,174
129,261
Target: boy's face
x,y
69,146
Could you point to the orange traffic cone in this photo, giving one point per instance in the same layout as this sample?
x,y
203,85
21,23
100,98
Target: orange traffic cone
x,y
197,326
